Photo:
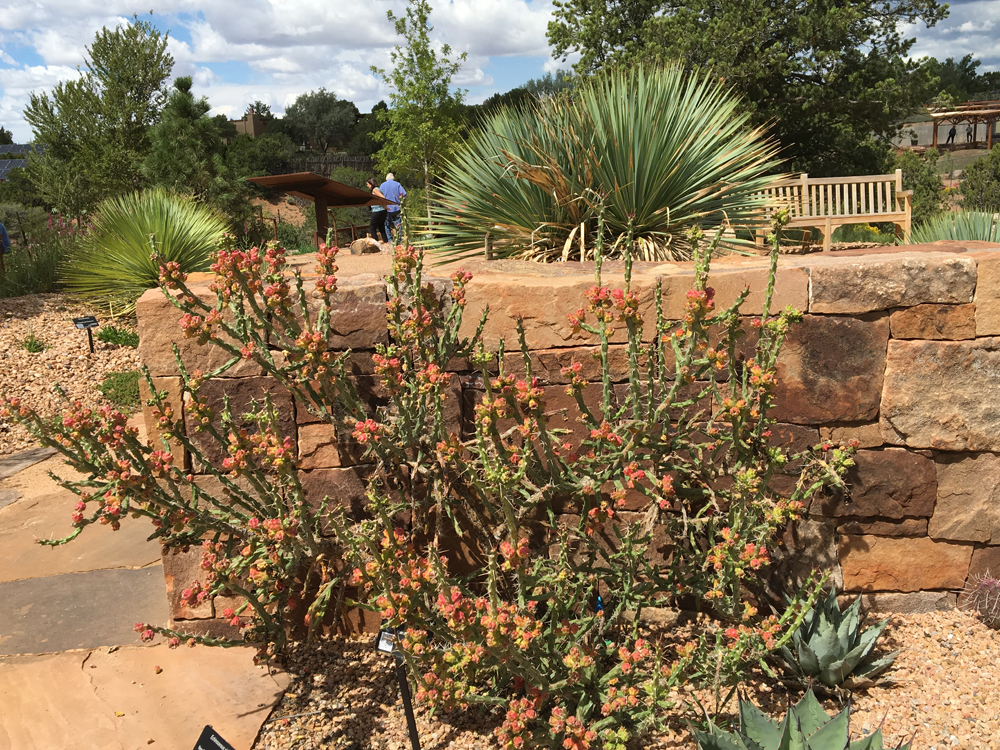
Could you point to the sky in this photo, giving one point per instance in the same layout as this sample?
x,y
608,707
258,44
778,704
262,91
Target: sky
x,y
239,51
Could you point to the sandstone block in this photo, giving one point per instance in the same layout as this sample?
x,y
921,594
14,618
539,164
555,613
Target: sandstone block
x,y
988,295
877,563
968,499
830,369
546,364
891,483
903,527
345,489
176,402
942,394
541,297
180,570
870,283
919,602
808,545
866,433
159,329
243,393
361,370
951,322
985,561
357,313
729,278
322,445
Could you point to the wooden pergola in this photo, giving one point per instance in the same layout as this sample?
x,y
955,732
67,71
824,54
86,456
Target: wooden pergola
x,y
324,192
973,113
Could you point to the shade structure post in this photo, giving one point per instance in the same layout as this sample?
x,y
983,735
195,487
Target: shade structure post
x,y
321,220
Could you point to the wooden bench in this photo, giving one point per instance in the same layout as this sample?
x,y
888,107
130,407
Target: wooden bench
x,y
830,202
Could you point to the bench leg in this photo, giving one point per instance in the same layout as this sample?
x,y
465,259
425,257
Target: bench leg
x,y
827,235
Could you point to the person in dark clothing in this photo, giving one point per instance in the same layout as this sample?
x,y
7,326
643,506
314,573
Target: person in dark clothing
x,y
377,225
951,135
4,240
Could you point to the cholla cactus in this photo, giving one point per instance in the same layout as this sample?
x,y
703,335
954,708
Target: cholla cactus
x,y
806,726
982,596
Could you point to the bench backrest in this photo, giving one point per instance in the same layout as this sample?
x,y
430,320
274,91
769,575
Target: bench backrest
x,y
867,195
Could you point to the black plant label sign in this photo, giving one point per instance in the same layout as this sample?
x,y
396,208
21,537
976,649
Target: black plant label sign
x,y
211,740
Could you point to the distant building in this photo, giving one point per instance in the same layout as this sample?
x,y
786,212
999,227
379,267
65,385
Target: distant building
x,y
12,156
252,124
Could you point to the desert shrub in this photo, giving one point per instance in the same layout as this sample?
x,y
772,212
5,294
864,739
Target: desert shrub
x,y
110,334
31,343
862,233
981,184
958,225
114,265
660,150
542,618
40,242
121,389
920,175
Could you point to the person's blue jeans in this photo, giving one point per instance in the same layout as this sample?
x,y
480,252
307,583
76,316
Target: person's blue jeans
x,y
393,224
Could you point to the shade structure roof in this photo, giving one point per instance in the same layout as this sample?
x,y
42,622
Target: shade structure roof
x,y
311,185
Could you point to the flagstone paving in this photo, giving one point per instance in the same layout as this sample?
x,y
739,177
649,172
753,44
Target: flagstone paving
x,y
73,674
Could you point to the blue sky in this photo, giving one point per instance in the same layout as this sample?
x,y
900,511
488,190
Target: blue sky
x,y
273,50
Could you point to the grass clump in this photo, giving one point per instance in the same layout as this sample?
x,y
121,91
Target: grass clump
x,y
31,343
118,336
121,388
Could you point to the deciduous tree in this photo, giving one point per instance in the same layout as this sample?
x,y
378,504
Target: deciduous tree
x,y
94,130
321,117
422,124
828,75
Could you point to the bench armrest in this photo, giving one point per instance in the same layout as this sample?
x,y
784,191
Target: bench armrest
x,y
904,193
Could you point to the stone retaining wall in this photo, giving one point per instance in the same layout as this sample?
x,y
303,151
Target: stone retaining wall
x,y
899,348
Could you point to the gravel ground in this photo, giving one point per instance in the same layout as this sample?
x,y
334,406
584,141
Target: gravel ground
x,y
66,360
944,686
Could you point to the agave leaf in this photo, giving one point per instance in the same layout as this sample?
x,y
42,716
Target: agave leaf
x,y
834,735
826,644
718,741
757,727
847,631
872,742
808,714
807,661
873,669
958,225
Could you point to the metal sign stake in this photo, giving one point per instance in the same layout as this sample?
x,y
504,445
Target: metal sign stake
x,y
385,643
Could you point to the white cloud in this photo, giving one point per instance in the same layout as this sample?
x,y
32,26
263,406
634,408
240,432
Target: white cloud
x,y
289,46
967,30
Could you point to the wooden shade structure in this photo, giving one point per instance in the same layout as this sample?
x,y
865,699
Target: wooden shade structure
x,y
973,113
325,193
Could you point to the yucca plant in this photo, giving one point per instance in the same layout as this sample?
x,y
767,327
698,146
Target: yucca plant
x,y
806,726
659,149
958,225
834,648
113,265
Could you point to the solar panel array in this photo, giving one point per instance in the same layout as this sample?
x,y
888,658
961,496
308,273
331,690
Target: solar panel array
x,y
13,150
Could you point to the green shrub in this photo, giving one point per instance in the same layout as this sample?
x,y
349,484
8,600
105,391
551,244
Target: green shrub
x,y
40,242
295,239
121,389
113,265
661,150
981,186
862,233
920,175
959,225
118,336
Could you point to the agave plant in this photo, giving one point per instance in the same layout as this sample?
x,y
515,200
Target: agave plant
x,y
655,152
959,225
834,648
806,726
114,266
